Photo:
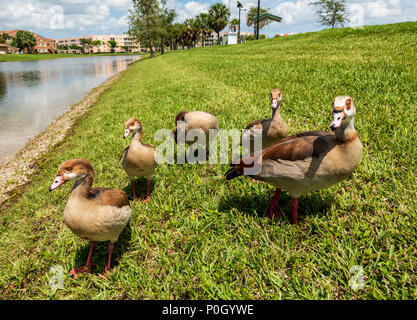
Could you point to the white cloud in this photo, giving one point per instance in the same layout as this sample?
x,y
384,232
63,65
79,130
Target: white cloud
x,y
83,17
194,8
120,4
382,9
187,10
61,18
295,12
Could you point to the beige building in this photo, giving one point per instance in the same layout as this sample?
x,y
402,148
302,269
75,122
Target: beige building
x,y
3,48
124,43
212,39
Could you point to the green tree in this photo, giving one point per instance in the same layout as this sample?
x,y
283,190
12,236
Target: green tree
x,y
193,30
86,43
234,25
24,40
75,47
166,20
144,22
3,38
331,12
179,34
252,14
96,44
112,44
203,23
219,17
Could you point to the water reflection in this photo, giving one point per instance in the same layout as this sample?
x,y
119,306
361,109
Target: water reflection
x,y
35,93
3,86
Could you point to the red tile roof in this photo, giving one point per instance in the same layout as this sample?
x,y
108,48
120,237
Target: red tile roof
x,y
12,33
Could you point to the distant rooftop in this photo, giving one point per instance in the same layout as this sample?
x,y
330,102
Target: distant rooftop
x,y
268,16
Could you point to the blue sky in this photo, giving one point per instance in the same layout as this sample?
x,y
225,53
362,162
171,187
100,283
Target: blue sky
x,y
66,18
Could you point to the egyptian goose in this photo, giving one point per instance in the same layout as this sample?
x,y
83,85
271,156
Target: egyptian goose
x,y
197,120
271,130
138,160
307,161
95,214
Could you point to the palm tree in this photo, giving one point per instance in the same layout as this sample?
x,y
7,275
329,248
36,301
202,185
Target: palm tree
x,y
203,22
193,30
219,17
234,25
24,40
252,14
181,34
175,35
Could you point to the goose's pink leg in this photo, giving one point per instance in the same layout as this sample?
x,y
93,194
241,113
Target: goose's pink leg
x,y
147,192
87,269
108,265
133,189
294,207
274,211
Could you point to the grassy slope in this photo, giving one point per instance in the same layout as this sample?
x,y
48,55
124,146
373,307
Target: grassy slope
x,y
31,57
201,237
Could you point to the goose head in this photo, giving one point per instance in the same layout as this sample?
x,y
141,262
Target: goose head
x,y
133,126
179,123
343,112
276,97
72,170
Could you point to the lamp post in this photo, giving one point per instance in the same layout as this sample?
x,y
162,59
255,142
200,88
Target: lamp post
x,y
239,5
257,24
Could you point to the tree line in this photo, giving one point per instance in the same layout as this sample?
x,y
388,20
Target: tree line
x,y
152,24
87,44
22,40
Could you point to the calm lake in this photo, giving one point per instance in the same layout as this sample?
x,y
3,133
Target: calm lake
x,y
34,93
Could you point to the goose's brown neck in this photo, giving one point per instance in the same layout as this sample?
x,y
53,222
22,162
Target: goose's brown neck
x,y
137,136
82,187
347,133
276,112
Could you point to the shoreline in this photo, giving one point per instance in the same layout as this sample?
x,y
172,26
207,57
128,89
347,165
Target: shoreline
x,y
39,57
17,172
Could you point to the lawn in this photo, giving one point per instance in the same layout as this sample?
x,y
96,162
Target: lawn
x,y
31,57
201,237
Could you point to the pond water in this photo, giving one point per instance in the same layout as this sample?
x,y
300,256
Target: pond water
x,y
34,93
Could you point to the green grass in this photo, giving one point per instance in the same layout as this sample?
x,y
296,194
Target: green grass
x,y
32,57
203,237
